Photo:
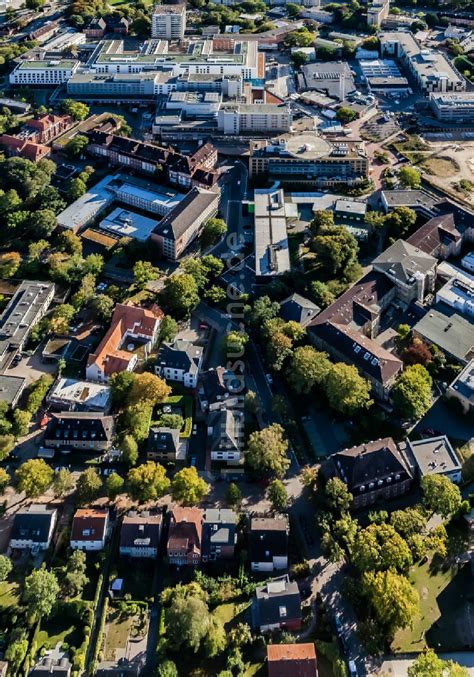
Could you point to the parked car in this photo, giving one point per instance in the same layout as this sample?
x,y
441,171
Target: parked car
x,y
352,669
269,378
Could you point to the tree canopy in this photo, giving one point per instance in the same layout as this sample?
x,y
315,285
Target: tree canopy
x,y
148,482
440,495
267,451
34,477
188,488
412,392
40,592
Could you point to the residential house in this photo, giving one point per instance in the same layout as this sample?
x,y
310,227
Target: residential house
x,y
374,472
297,308
51,667
438,237
33,528
73,395
99,27
292,660
89,529
412,270
179,361
268,543
219,534
163,445
277,606
462,388
348,327
226,432
16,147
45,128
132,329
220,387
185,536
140,535
184,223
434,456
80,430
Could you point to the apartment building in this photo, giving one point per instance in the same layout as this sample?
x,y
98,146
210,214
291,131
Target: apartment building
x,y
119,86
168,22
43,73
377,12
246,118
80,430
272,215
188,56
182,225
308,160
431,69
25,309
456,107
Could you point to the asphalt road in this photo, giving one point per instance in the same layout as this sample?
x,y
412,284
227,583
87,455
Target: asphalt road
x,y
234,190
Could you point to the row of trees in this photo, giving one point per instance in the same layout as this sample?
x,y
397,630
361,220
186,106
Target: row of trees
x,y
146,482
383,552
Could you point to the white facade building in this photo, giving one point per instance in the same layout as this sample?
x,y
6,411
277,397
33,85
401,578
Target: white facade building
x,y
46,73
168,22
243,118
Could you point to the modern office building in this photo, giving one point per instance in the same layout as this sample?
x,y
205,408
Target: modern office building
x,y
431,69
168,22
377,12
457,107
306,160
242,118
43,73
272,214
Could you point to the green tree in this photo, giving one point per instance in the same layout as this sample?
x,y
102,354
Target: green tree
x,y
322,219
38,392
188,488
346,390
277,495
148,389
379,547
307,369
40,592
233,495
76,145
75,578
251,402
129,449
174,421
63,482
336,250
77,110
88,485
34,477
233,344
346,114
394,601
148,482
9,264
267,451
428,664
144,272
216,639
409,177
215,294
114,485
76,189
213,230
168,328
322,294
408,522
61,319
5,567
440,495
102,306
412,392
4,480
137,420
338,496
120,386
21,422
264,309
181,293
187,622
7,444
167,669
17,649
70,243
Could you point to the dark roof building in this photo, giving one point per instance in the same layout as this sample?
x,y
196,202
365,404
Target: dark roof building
x,y
297,308
292,660
185,536
219,534
11,388
268,543
179,361
277,605
49,667
33,527
218,387
140,534
163,445
373,471
80,430
438,237
346,329
444,327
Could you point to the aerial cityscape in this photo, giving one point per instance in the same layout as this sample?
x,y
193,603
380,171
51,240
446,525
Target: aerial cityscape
x,y
236,338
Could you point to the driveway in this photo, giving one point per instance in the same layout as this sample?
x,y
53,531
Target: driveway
x,y
32,368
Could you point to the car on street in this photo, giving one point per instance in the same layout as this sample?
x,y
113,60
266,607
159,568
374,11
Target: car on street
x,y
269,378
193,461
352,669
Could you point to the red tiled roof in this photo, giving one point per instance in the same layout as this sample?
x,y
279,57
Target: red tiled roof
x,y
89,524
109,357
291,660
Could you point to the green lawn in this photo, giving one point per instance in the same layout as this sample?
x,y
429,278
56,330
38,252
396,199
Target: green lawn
x,y
9,595
226,612
444,610
59,629
116,634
